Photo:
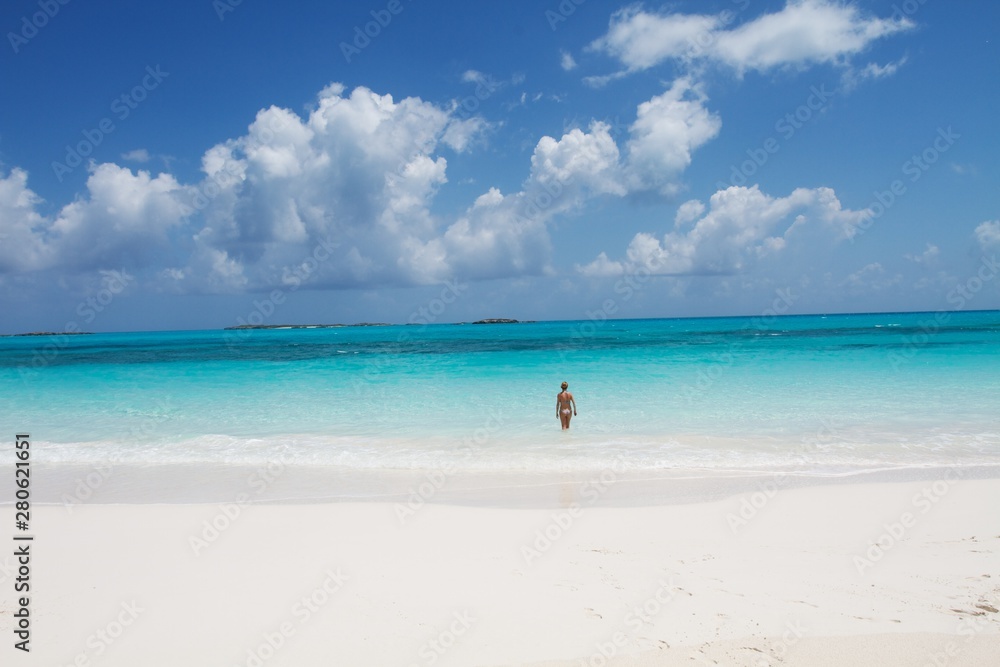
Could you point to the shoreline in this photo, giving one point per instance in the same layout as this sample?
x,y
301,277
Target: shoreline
x,y
876,573
277,483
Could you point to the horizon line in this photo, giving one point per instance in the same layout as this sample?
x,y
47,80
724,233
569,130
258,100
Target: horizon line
x,y
283,327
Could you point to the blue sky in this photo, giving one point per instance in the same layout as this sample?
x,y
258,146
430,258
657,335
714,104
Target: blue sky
x,y
197,164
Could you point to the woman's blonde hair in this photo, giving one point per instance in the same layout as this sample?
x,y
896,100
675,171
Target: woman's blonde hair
x,y
565,385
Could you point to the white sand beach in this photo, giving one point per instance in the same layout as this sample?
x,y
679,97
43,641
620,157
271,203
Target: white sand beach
x,y
846,574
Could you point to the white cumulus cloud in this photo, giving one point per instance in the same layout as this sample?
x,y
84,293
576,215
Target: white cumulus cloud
x,y
802,33
988,235
126,219
566,61
928,257
343,197
871,278
22,247
138,155
740,228
667,130
601,267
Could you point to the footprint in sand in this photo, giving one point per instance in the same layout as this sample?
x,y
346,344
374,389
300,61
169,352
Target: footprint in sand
x,y
968,613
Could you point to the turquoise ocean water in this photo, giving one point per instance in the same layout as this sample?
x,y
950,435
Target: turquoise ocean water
x,y
816,394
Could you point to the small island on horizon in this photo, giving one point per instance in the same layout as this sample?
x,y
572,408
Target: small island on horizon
x,y
307,326
51,333
241,327
502,320
494,320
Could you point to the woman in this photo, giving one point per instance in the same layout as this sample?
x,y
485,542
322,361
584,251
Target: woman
x,y
563,402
